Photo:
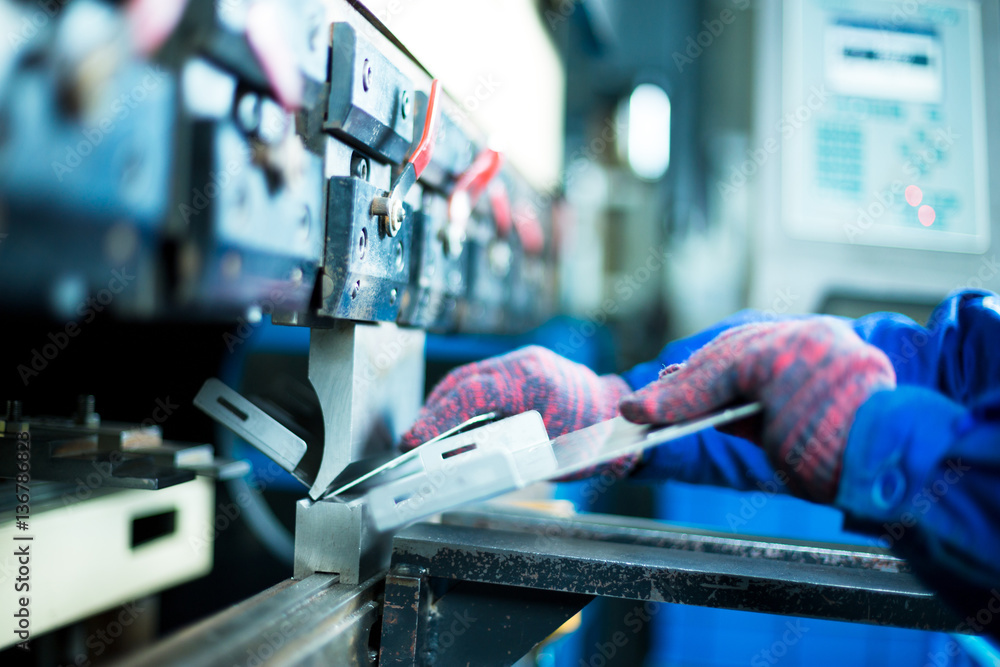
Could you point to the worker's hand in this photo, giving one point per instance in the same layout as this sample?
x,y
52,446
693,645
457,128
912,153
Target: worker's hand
x,y
568,395
811,376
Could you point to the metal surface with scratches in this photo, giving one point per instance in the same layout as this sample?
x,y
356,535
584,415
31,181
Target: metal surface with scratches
x,y
494,559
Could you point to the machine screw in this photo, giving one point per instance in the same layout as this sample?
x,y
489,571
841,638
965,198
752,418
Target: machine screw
x,y
392,297
390,211
399,255
14,411
84,409
405,105
359,167
248,113
366,75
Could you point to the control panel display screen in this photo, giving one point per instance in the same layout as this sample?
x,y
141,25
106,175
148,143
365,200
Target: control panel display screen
x,y
883,127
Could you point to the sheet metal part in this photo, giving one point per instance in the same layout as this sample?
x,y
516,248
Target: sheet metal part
x,y
597,557
477,464
511,454
413,453
246,420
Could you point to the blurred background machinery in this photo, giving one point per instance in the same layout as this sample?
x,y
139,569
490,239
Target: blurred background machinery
x,y
197,189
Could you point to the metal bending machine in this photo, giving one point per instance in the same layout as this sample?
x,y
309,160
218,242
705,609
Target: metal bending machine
x,y
197,161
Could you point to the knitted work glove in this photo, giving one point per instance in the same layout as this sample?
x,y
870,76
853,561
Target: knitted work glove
x,y
568,395
811,376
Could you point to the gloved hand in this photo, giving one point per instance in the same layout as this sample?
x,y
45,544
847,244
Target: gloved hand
x,y
568,395
811,375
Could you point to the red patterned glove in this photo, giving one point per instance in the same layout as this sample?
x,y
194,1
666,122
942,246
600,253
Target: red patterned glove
x,y
568,395
811,375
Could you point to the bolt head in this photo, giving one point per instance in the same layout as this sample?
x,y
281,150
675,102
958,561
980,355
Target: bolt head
x,y
396,217
366,75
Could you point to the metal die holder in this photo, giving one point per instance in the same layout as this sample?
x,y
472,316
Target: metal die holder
x,y
367,270
254,214
475,465
437,280
371,102
337,536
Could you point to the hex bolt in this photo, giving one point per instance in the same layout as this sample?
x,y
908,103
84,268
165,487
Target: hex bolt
x,y
366,75
390,211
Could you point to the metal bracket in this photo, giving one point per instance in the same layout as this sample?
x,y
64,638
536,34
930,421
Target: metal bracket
x,y
246,420
474,465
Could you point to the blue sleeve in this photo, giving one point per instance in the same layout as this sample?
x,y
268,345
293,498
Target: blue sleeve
x,y
922,464
956,353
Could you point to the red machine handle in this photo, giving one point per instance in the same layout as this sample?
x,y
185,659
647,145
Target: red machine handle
x,y
425,149
472,184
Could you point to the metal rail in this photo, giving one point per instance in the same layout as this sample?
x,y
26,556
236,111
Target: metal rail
x,y
498,561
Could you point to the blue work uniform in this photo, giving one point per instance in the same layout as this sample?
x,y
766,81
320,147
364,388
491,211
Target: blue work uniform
x,y
921,468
